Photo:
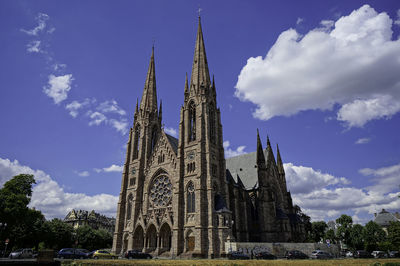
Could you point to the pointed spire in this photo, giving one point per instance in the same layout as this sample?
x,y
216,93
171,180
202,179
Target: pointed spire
x,y
136,109
200,74
186,87
239,182
279,163
149,98
260,152
160,112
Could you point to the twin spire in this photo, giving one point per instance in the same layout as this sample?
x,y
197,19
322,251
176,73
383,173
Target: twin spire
x,y
200,75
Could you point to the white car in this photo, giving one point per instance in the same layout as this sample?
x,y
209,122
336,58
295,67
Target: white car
x,y
349,254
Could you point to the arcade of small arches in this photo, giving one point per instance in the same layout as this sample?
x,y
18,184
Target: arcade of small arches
x,y
153,239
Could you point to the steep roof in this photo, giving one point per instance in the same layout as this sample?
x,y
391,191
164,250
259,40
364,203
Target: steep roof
x,y
384,218
245,166
173,141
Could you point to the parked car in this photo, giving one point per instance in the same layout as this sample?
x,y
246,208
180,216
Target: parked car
x,y
264,256
361,254
349,254
394,254
136,254
237,255
319,254
23,253
295,254
104,254
379,254
73,253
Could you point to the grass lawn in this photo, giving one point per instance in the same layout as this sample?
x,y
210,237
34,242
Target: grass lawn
x,y
215,262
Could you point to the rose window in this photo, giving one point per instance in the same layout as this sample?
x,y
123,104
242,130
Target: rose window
x,y
161,191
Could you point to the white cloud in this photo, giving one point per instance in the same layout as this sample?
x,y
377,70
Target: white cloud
x,y
75,106
299,20
232,153
120,125
323,196
58,87
33,47
83,173
41,19
114,168
51,199
363,141
305,179
171,131
110,107
355,65
96,118
397,21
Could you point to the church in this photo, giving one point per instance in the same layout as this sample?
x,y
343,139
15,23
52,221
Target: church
x,y
181,197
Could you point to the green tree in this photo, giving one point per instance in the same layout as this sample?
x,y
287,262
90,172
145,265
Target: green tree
x,y
24,225
345,224
356,237
373,234
330,234
394,235
318,230
58,234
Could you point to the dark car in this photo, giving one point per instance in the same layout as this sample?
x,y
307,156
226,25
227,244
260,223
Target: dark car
x,y
73,253
295,254
319,254
362,254
264,256
136,254
236,255
394,254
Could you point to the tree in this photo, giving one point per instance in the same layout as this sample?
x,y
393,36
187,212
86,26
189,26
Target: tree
x,y
373,234
356,237
318,230
394,235
58,234
92,239
345,223
330,234
24,225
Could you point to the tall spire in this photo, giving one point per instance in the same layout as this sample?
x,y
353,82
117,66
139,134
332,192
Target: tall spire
x,y
149,98
186,87
279,161
260,152
200,74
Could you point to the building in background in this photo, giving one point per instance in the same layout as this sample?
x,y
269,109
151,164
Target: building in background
x,y
180,196
384,218
78,218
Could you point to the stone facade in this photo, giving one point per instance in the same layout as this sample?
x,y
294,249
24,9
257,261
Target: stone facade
x,y
180,196
78,218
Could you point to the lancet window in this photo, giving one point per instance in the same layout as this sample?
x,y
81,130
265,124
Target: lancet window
x,y
136,143
211,119
190,200
192,121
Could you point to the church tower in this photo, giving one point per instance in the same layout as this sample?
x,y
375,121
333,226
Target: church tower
x,y
206,217
141,143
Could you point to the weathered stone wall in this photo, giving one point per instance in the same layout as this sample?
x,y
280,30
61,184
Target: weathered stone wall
x,y
279,249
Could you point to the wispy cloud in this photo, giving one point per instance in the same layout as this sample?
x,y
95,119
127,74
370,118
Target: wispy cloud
x,y
110,107
33,47
75,106
299,21
397,21
363,141
83,173
41,19
112,168
171,131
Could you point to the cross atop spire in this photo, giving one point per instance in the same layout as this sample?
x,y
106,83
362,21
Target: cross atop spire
x,y
149,98
200,74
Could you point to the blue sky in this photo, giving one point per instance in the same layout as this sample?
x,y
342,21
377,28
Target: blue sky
x,y
321,78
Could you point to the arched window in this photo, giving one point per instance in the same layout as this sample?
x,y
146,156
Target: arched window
x,y
136,143
211,119
129,207
190,200
192,121
153,138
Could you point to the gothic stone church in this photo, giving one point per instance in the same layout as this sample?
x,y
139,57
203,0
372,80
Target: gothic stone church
x,y
180,196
